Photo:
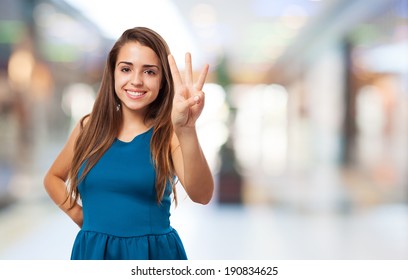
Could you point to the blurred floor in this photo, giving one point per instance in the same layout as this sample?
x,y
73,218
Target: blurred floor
x,y
35,229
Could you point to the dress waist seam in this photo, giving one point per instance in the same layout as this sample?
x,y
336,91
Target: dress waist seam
x,y
170,230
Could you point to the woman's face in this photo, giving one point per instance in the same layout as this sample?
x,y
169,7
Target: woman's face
x,y
138,76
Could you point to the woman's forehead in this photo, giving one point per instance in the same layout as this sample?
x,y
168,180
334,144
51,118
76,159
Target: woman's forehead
x,y
135,52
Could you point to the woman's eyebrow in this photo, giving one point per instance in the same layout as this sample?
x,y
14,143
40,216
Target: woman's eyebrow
x,y
125,62
144,66
150,65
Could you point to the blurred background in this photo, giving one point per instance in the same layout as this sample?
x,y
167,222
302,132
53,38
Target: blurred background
x,y
305,125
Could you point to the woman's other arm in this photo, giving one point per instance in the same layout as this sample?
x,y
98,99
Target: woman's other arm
x,y
56,177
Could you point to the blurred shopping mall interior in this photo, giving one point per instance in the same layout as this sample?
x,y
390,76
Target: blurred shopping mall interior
x,y
305,125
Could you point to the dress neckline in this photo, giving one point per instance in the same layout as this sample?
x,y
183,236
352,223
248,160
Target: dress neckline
x,y
134,138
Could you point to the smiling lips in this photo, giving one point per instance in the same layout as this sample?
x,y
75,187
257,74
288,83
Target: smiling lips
x,y
135,94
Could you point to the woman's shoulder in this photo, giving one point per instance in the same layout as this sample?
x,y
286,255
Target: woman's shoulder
x,y
84,120
79,128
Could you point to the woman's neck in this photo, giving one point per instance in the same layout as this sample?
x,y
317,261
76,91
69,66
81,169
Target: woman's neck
x,y
133,124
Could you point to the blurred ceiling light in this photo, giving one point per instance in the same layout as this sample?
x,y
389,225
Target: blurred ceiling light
x,y
41,81
77,101
387,58
20,69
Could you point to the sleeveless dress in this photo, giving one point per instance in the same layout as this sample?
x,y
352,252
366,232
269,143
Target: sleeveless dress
x,y
122,219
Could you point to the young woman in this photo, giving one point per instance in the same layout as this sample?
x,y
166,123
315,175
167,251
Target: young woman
x,y
123,159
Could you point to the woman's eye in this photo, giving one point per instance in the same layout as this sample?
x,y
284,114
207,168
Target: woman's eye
x,y
125,69
150,72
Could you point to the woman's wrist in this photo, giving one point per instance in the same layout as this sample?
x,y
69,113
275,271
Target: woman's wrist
x,y
185,130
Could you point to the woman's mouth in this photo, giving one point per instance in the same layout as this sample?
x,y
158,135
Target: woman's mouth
x,y
135,94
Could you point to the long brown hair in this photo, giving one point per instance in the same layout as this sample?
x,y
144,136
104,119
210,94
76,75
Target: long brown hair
x,y
102,126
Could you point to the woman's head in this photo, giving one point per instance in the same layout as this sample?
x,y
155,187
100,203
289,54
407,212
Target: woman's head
x,y
147,38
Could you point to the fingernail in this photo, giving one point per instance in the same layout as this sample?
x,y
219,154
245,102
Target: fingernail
x,y
196,98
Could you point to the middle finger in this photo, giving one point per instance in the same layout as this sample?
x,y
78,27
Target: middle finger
x,y
188,70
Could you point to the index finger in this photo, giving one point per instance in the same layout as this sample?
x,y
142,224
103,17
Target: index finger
x,y
174,70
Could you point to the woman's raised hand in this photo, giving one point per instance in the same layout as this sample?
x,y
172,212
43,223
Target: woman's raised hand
x,y
189,97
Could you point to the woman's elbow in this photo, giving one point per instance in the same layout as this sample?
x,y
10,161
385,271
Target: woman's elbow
x,y
202,200
205,198
48,182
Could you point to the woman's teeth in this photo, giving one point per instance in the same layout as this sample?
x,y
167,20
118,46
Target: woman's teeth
x,y
135,93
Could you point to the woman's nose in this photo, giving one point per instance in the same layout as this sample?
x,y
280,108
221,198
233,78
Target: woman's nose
x,y
136,80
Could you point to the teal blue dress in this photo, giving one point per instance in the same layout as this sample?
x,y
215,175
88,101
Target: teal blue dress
x,y
122,219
